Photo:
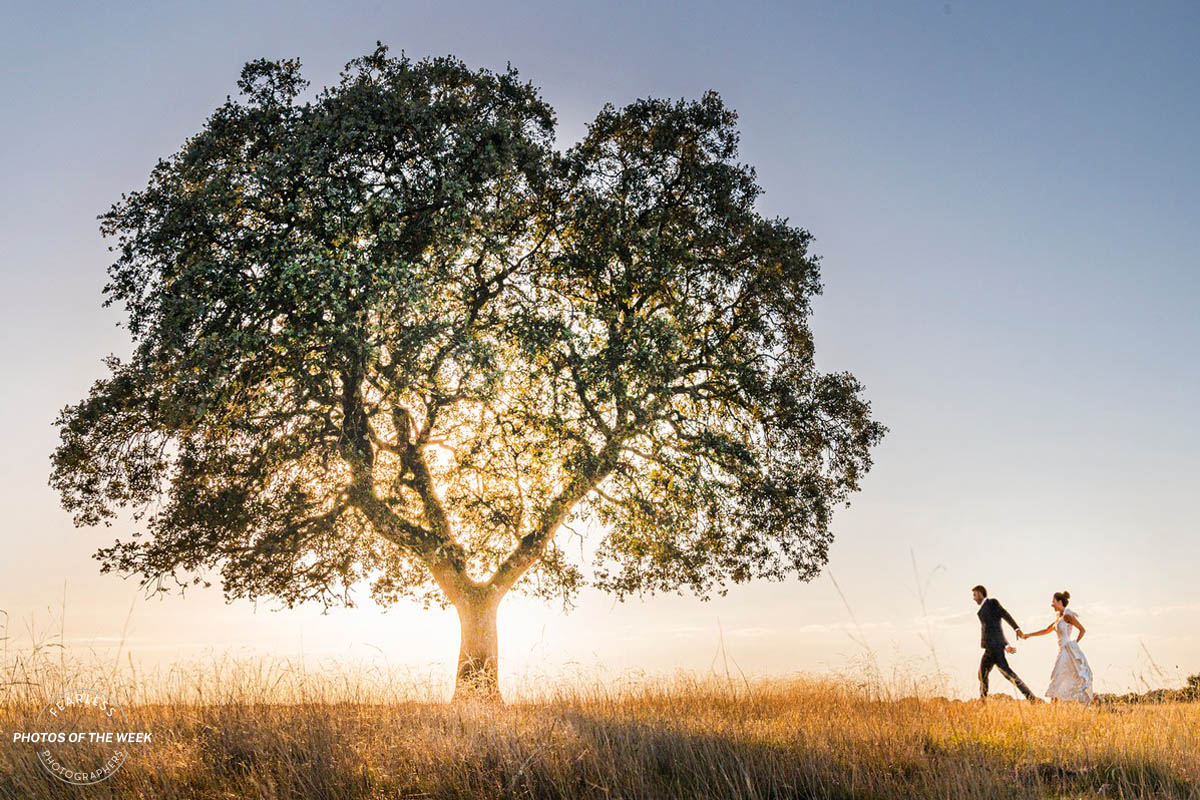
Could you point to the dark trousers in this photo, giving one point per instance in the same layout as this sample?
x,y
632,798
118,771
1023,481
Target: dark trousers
x,y
994,657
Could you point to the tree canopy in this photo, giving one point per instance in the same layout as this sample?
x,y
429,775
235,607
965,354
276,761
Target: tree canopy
x,y
389,335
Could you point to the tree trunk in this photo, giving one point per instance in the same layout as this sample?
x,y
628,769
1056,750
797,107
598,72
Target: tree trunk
x,y
477,652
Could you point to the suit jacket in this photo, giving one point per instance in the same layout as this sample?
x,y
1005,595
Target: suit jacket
x,y
990,614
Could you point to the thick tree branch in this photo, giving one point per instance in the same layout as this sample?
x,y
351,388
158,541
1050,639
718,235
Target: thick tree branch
x,y
534,543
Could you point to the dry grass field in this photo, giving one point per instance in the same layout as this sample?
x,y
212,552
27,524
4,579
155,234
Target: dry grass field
x,y
273,731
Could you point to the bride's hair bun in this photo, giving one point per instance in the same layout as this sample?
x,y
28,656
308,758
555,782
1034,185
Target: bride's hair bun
x,y
1063,597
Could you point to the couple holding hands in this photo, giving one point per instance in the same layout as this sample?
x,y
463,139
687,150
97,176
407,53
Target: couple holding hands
x,y
1071,678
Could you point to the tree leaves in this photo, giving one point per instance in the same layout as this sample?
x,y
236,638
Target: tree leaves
x,y
389,334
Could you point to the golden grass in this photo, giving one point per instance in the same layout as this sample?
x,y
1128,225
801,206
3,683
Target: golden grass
x,y
272,730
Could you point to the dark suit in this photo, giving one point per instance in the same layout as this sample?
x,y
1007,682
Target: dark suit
x,y
993,643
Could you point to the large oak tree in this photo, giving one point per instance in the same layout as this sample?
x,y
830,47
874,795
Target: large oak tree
x,y
390,336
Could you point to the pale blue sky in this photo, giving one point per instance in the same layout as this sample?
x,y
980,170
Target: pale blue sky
x,y
1006,203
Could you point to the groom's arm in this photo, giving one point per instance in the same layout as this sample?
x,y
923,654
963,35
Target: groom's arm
x,y
1007,617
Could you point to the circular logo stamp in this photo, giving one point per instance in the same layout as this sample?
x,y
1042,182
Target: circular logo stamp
x,y
82,737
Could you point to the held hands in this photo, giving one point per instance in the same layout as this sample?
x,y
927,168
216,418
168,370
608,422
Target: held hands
x,y
1020,635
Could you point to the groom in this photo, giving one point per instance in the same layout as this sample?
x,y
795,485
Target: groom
x,y
994,644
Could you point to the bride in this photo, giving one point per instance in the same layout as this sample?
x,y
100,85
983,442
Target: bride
x,y
1072,677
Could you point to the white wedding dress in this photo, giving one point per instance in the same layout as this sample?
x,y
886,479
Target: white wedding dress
x,y
1072,677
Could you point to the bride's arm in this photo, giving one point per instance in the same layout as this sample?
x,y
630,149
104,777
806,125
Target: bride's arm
x,y
1042,632
1074,620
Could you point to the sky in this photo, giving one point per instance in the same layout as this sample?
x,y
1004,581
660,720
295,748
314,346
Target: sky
x,y
1004,200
